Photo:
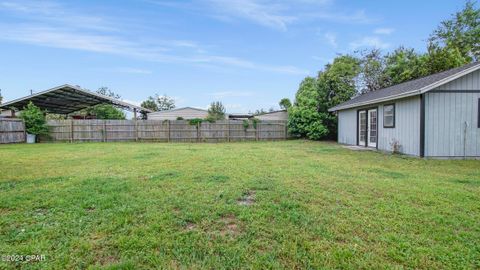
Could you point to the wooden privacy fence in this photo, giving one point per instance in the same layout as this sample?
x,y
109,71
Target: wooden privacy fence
x,y
12,130
167,131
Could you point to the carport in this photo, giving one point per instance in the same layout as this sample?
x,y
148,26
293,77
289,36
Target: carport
x,y
66,99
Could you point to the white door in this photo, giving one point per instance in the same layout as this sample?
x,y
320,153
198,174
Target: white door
x,y
362,128
372,128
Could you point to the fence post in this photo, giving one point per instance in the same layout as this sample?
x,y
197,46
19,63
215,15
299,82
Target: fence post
x,y
136,130
228,130
198,132
104,130
286,131
71,130
168,130
256,131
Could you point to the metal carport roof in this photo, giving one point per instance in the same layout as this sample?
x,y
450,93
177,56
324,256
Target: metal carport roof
x,y
67,99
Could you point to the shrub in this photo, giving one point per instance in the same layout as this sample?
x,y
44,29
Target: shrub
x,y
34,118
255,121
195,121
179,118
246,124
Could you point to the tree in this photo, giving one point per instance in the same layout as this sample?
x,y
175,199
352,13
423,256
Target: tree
x,y
336,84
150,104
107,92
165,102
304,119
34,118
372,75
404,64
105,111
439,59
461,32
216,111
285,103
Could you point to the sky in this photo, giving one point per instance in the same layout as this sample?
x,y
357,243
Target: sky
x,y
248,54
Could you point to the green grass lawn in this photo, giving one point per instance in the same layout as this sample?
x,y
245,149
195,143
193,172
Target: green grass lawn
x,y
292,204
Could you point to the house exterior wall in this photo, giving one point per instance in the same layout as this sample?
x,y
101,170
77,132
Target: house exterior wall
x,y
347,126
447,109
283,115
406,130
185,113
407,126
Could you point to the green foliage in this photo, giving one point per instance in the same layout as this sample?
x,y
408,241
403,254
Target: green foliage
x,y
439,58
150,104
195,121
164,103
246,124
216,111
180,118
304,118
372,74
210,119
404,64
34,118
255,121
285,103
461,32
105,111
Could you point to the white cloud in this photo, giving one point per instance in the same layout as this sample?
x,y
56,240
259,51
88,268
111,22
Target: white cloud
x,y
266,14
383,31
43,25
355,17
331,38
366,42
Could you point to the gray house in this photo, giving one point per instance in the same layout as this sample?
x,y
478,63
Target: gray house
x,y
434,116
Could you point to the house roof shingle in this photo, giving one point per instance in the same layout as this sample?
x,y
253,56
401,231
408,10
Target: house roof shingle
x,y
409,88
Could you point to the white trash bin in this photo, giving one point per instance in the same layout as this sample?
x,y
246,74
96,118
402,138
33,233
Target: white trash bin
x,y
31,138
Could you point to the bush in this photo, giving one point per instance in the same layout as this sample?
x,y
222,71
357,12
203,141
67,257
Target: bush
x,y
246,124
195,121
34,118
179,118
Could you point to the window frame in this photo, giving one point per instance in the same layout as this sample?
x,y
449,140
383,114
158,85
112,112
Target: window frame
x,y
394,112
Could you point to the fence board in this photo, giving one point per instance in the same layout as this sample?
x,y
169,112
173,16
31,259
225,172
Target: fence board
x,y
164,131
12,130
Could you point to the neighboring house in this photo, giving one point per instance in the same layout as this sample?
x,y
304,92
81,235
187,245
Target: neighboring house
x,y
434,116
275,115
174,114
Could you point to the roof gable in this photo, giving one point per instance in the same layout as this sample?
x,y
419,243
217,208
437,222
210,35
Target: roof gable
x,y
409,88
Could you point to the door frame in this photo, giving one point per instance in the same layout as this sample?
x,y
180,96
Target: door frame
x,y
369,130
358,126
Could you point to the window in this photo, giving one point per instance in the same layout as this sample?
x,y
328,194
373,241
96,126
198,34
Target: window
x,y
389,116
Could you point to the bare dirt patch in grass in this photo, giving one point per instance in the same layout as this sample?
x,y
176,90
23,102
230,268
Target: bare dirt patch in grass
x,y
230,226
190,226
248,198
